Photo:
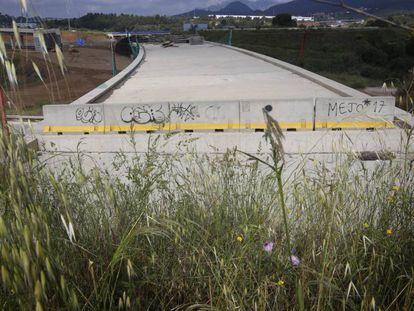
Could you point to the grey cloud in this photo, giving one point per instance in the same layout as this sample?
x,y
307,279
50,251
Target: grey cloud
x,y
76,8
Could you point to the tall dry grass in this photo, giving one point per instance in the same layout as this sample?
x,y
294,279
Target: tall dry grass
x,y
196,234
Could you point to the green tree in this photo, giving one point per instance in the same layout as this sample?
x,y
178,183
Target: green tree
x,y
284,20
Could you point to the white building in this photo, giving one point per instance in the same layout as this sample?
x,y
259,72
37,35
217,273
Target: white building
x,y
303,18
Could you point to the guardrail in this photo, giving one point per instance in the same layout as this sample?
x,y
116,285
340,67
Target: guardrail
x,y
12,117
301,114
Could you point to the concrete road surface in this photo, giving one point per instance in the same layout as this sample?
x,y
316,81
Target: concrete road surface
x,y
207,73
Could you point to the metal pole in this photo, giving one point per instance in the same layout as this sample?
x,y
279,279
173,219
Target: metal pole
x,y
3,112
302,49
230,38
113,58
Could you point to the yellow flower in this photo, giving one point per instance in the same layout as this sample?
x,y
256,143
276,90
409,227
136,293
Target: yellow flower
x,y
280,283
389,231
396,188
239,238
391,199
366,225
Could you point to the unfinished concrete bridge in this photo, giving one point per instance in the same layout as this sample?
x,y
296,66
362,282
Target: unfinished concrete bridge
x,y
214,95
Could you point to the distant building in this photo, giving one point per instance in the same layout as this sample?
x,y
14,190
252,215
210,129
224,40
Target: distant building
x,y
30,38
28,25
241,16
342,23
303,18
193,27
308,24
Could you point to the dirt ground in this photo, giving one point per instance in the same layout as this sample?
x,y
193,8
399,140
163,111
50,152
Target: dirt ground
x,y
86,69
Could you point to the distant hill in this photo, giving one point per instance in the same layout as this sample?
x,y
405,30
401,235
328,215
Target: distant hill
x,y
236,8
302,7
308,7
254,5
233,8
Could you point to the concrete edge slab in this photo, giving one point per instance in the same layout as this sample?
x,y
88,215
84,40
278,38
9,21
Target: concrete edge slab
x,y
404,116
219,143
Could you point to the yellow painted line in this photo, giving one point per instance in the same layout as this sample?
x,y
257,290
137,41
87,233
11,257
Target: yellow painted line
x,y
206,126
283,125
357,125
138,127
211,126
73,129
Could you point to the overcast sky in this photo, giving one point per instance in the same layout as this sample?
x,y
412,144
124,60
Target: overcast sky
x,y
76,8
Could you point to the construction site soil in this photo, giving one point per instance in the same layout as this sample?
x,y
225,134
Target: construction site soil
x,y
86,68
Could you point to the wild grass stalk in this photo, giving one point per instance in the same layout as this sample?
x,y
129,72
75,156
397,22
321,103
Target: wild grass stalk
x,y
160,232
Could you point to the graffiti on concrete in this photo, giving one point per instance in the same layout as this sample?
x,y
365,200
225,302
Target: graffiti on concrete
x,y
185,111
144,114
213,112
89,115
343,108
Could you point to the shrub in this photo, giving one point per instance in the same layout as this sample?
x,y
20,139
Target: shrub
x,y
399,65
284,20
395,49
372,71
374,56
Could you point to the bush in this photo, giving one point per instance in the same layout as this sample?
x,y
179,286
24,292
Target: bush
x,y
410,46
400,65
372,71
394,49
284,20
375,56
377,23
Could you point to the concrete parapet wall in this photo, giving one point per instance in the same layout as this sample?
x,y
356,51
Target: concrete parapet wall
x,y
301,114
291,114
348,112
106,87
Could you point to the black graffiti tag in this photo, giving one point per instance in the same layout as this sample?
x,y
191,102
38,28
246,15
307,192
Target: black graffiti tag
x,y
143,115
185,111
89,115
342,108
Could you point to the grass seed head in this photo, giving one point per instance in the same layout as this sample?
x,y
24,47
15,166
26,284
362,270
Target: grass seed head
x,y
61,59
36,69
23,6
3,52
17,35
3,228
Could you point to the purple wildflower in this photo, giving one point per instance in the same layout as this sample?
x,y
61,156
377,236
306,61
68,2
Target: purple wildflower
x,y
295,260
268,246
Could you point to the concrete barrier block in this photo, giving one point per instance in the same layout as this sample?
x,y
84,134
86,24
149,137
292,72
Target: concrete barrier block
x,y
73,118
196,40
204,115
291,114
137,117
354,112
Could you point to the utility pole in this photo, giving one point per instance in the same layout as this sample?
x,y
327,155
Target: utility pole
x,y
3,112
302,49
114,71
